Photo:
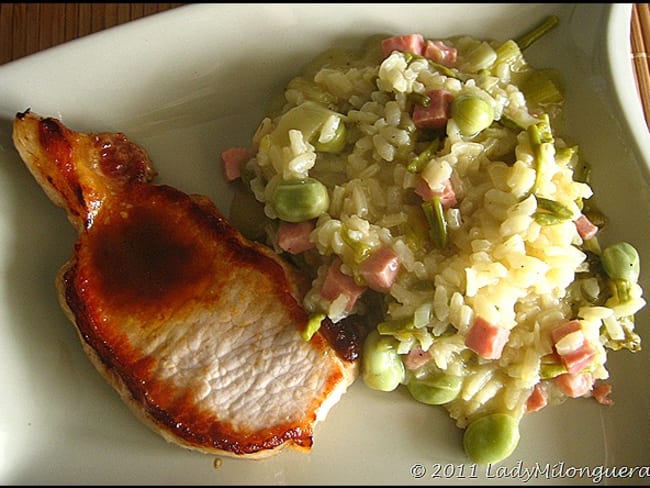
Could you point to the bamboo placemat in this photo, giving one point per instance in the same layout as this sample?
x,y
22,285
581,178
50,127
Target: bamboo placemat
x,y
640,40
26,28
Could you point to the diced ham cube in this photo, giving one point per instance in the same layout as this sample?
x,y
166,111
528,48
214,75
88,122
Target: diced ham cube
x,y
579,359
294,237
337,283
586,229
575,385
424,190
233,158
416,358
570,343
440,52
486,339
537,399
412,43
380,270
565,329
436,115
601,393
447,195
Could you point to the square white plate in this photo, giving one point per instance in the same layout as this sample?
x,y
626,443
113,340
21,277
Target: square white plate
x,y
190,82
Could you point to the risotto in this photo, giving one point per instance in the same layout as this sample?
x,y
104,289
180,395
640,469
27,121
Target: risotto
x,y
424,184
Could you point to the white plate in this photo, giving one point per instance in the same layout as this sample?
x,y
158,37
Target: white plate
x,y
188,83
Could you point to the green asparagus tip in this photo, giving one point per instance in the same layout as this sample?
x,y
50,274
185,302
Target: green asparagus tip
x,y
526,40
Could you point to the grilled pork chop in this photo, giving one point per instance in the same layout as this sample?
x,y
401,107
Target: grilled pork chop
x,y
197,328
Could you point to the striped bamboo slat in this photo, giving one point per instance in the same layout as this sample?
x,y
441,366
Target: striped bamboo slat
x,y
640,41
26,28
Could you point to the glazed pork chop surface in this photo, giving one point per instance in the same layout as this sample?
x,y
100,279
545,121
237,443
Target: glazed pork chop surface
x,y
197,328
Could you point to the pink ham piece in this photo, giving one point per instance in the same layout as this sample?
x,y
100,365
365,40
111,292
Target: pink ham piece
x,y
586,229
440,52
447,195
233,158
380,270
486,339
415,358
437,113
565,329
412,43
294,237
337,283
575,385
578,358
537,399
601,393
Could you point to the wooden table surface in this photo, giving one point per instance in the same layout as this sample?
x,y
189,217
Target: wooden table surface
x,y
26,28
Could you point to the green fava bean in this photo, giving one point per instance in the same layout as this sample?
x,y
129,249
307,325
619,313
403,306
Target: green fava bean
x,y
621,262
381,367
437,390
491,438
472,114
300,200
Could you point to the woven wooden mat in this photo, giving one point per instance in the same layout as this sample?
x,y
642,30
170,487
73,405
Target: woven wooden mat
x,y
26,28
640,40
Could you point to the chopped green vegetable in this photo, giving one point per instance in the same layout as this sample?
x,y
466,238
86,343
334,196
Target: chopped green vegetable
x,y
400,329
551,212
360,248
542,145
435,216
631,341
481,57
550,368
419,99
510,124
540,132
591,289
420,161
510,54
395,326
567,156
526,40
540,88
312,326
582,172
309,118
410,57
472,114
312,91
